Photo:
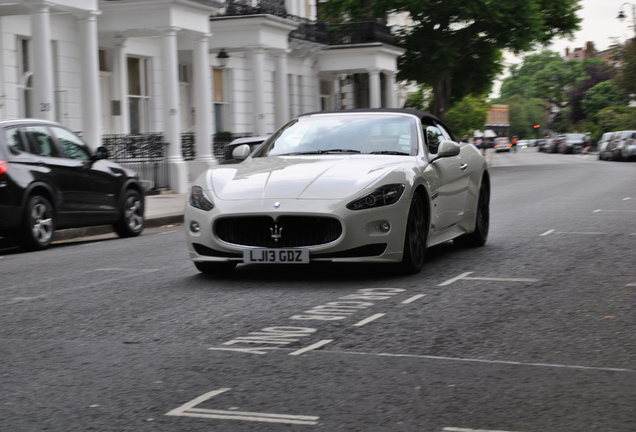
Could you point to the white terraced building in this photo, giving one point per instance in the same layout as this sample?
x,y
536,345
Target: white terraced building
x,y
120,71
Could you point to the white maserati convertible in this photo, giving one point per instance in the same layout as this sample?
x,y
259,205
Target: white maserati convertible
x,y
376,185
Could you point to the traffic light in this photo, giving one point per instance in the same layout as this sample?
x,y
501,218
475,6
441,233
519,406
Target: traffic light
x,y
537,126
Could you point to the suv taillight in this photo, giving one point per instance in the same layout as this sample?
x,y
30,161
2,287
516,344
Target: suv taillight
x,y
4,167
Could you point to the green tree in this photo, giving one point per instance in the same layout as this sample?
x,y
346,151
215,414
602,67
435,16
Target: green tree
x,y
617,118
524,114
521,79
467,115
603,95
626,78
420,99
456,46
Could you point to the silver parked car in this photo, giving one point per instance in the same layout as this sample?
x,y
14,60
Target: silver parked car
x,y
603,144
622,146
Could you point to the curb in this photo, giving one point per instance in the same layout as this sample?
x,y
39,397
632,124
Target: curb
x,y
74,233
154,222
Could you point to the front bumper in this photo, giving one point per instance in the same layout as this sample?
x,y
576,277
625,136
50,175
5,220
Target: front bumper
x,y
361,240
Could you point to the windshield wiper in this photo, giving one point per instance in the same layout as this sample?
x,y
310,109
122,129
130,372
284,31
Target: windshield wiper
x,y
390,152
318,152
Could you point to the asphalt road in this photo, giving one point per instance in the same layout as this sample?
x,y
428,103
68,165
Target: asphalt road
x,y
533,332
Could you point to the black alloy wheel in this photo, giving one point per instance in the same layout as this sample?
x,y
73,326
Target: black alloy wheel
x,y
482,220
415,237
38,224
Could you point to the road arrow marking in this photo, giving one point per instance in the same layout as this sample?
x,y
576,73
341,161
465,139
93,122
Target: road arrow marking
x,y
189,410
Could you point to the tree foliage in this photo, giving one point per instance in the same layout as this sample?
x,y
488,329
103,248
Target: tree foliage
x,y
626,78
617,118
467,115
456,46
603,95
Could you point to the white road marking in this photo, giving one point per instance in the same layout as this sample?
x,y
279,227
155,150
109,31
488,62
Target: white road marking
x,y
455,279
627,198
615,211
368,320
453,429
464,276
414,298
574,232
188,410
311,347
494,362
631,284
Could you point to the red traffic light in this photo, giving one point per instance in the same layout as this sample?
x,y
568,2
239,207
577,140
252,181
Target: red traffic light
x,y
537,126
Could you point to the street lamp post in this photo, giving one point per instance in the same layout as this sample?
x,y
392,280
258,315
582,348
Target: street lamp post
x,y
621,15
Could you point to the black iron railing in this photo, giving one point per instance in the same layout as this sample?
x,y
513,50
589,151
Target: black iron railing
x,y
144,153
147,153
315,31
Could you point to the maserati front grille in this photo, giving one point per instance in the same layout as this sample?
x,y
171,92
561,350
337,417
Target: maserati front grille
x,y
284,232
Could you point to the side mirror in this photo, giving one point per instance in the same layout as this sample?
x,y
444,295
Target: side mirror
x,y
448,148
241,152
101,153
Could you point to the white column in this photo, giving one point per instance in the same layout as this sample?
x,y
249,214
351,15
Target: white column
x,y
43,101
91,100
294,88
203,99
176,164
375,101
258,73
120,119
391,90
282,91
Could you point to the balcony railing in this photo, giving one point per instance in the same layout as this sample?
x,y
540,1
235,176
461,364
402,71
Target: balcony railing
x,y
316,31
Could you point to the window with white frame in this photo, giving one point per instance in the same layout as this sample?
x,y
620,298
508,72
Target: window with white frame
x,y
25,77
221,105
138,94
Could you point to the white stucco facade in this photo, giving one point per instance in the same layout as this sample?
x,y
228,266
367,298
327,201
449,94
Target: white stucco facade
x,y
104,67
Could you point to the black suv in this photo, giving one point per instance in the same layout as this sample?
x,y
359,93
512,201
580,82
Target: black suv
x,y
50,179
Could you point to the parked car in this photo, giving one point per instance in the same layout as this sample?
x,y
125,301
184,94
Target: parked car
x,y
523,144
571,143
341,186
552,145
622,146
253,142
50,179
502,144
602,145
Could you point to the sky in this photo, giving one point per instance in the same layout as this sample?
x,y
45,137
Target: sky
x,y
598,25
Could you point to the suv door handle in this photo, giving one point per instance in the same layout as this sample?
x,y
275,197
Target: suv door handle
x,y
463,166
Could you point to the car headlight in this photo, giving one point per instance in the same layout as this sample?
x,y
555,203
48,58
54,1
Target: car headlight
x,y
382,196
199,199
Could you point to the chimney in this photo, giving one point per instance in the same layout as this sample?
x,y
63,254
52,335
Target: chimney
x,y
589,50
567,52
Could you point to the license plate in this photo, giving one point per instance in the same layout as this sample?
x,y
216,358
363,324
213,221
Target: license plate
x,y
276,256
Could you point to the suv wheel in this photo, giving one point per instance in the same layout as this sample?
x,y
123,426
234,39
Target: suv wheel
x,y
132,215
38,224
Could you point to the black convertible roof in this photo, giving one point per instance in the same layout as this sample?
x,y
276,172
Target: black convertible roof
x,y
417,113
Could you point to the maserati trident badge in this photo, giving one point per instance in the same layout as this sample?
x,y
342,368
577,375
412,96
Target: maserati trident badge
x,y
276,232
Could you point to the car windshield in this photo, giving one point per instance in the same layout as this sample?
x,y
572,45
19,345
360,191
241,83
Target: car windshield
x,y
574,137
345,134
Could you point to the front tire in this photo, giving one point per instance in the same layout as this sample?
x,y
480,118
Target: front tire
x,y
415,237
131,222
482,220
215,267
38,225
